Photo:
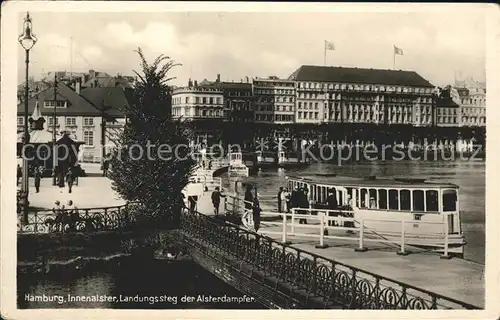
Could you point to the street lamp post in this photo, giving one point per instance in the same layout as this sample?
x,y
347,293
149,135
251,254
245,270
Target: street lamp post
x,y
27,40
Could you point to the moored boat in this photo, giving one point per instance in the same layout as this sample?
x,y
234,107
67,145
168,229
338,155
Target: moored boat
x,y
236,166
426,213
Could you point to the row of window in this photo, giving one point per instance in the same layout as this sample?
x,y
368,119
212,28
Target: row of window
x,y
475,111
203,100
477,102
276,108
197,112
274,99
447,119
273,91
363,87
69,121
446,111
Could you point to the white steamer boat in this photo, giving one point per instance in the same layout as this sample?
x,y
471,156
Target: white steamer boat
x,y
385,203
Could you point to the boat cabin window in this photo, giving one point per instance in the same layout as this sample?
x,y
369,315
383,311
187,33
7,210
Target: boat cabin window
x,y
449,200
418,200
431,201
382,199
363,199
373,198
393,199
404,200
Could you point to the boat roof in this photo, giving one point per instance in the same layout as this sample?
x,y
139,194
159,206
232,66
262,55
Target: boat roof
x,y
398,182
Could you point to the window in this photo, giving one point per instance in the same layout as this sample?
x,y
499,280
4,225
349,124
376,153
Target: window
x,y
88,137
418,200
20,121
404,200
88,121
204,100
187,99
382,199
431,201
393,199
449,200
51,104
363,199
51,121
218,101
211,100
373,198
70,121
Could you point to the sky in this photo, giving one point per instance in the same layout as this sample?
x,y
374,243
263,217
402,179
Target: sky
x,y
438,45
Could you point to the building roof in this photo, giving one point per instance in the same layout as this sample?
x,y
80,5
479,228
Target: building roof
x,y
359,75
446,102
76,104
114,99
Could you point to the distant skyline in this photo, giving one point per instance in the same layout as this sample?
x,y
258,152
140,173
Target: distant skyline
x,y
438,45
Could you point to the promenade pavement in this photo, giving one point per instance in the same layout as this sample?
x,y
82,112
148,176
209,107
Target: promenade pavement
x,y
91,192
456,278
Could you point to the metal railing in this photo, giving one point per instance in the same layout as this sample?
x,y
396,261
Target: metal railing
x,y
79,220
316,276
206,180
360,233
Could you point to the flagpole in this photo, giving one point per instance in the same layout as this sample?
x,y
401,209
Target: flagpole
x,y
325,56
394,58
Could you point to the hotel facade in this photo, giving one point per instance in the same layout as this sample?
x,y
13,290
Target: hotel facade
x,y
318,94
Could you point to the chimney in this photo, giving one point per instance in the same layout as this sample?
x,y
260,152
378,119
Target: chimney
x,y
218,77
77,87
248,80
190,83
195,83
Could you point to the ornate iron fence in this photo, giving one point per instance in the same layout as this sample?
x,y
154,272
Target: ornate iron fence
x,y
80,220
334,282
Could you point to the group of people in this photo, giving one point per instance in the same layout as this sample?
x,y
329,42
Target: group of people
x,y
70,178
299,198
66,214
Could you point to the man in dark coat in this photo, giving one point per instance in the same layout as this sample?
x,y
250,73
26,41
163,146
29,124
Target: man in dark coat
x,y
331,201
248,198
70,178
38,178
256,213
279,200
19,174
303,203
216,195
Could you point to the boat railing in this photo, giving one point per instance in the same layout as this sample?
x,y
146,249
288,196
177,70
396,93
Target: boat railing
x,y
342,220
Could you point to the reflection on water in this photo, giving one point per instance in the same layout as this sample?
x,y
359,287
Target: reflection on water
x,y
468,175
153,285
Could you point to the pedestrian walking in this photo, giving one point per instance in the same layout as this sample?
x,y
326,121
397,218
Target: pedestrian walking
x,y
70,179
38,178
105,167
216,196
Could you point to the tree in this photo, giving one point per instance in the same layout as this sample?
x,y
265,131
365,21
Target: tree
x,y
153,163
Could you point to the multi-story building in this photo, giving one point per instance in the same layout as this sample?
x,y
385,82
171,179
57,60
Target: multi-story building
x,y
238,101
355,95
81,113
447,110
472,104
198,102
274,100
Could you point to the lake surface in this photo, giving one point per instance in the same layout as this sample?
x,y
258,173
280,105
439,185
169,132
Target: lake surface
x,y
468,175
151,285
